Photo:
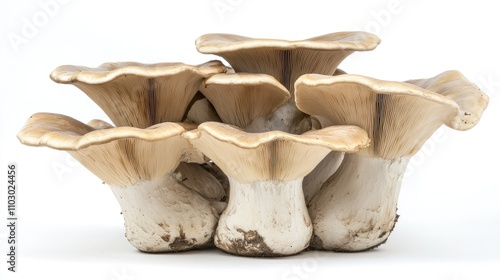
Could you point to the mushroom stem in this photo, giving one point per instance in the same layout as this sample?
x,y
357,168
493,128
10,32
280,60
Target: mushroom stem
x,y
264,218
289,119
321,173
286,118
355,210
163,215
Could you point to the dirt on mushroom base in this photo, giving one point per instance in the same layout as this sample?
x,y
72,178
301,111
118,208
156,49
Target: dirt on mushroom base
x,y
252,244
181,243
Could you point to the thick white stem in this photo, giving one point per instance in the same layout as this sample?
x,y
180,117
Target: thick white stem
x,y
264,218
163,216
355,210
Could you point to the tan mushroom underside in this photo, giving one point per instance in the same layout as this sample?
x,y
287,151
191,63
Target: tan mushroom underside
x,y
277,153
286,60
119,156
242,98
139,95
399,117
453,85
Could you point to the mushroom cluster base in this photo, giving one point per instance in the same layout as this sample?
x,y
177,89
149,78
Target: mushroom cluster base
x,y
165,216
356,208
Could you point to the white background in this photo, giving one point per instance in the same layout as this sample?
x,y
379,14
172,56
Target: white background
x,y
69,223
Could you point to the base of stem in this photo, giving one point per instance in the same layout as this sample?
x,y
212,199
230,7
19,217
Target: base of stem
x,y
264,219
356,208
165,216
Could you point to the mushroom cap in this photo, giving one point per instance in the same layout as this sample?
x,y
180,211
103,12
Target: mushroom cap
x,y
241,98
120,156
99,124
273,155
286,60
218,43
139,95
399,117
455,86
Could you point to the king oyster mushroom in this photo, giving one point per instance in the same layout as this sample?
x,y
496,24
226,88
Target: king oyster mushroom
x,y
328,166
286,61
355,209
161,214
266,213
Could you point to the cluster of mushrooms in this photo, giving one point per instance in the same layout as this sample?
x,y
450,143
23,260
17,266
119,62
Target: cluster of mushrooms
x,y
278,153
